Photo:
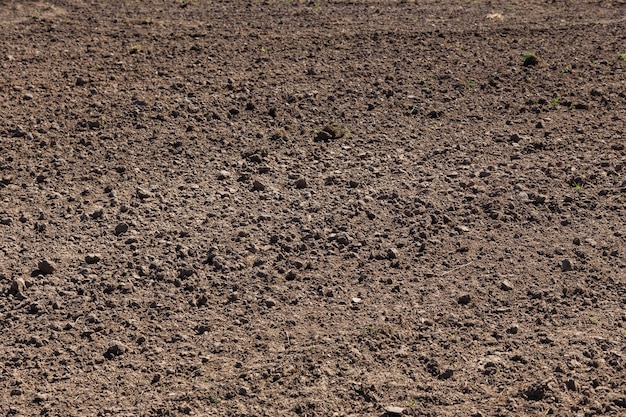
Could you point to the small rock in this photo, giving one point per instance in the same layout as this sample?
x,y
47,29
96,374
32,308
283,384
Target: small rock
x,y
447,374
506,285
121,228
523,196
356,300
619,401
393,411
7,221
93,258
270,302
464,299
591,242
143,194
16,392
155,379
344,239
537,391
566,265
27,96
301,183
40,397
223,175
116,348
513,329
18,285
571,385
46,266
392,253
258,186
98,213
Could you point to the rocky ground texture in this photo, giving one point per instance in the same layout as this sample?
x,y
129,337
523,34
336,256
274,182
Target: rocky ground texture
x,y
323,208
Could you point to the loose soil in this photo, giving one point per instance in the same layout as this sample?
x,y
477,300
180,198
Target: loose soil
x,y
320,209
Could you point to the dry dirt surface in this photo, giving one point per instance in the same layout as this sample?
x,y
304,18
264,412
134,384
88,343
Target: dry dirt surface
x,y
287,208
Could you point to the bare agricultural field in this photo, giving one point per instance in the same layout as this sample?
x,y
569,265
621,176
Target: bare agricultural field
x,y
288,208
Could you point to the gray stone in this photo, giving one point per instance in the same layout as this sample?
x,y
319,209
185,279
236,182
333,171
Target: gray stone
x,y
566,265
506,285
393,410
223,175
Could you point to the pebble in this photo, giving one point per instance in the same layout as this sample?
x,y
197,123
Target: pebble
x,y
116,348
18,285
41,397
258,186
344,239
523,196
7,221
464,299
513,329
46,266
301,183
566,265
506,285
143,193
27,96
98,213
270,302
572,385
223,175
591,242
356,300
93,258
537,391
393,410
121,228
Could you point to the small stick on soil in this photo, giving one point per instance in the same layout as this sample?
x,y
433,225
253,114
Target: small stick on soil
x,y
456,269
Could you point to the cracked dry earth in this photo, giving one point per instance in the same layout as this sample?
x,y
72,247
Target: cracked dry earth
x,y
286,208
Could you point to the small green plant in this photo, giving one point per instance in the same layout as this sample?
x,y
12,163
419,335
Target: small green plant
x,y
577,185
566,70
317,6
215,399
622,57
371,330
471,84
530,59
263,50
135,49
411,403
555,101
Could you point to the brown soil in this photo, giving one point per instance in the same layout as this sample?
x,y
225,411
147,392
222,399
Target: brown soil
x,y
319,209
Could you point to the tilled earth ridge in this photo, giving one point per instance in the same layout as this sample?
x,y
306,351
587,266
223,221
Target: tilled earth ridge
x,y
289,208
